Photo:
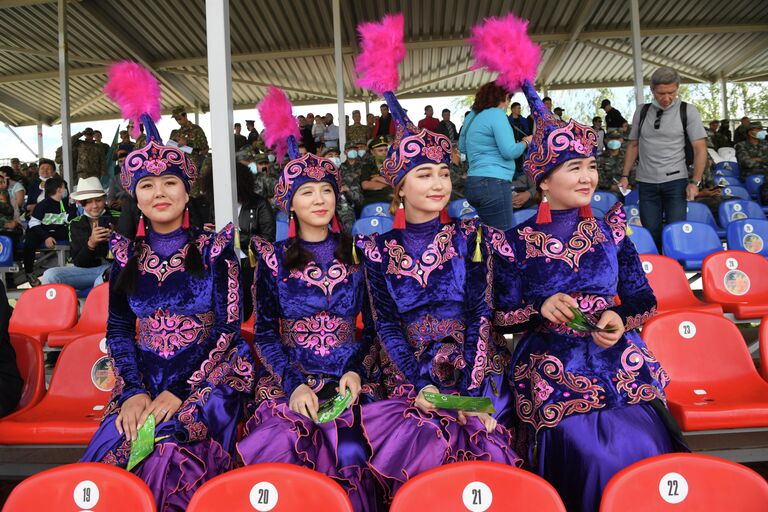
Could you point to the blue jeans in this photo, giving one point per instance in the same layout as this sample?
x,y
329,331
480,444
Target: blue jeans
x,y
660,204
79,278
492,198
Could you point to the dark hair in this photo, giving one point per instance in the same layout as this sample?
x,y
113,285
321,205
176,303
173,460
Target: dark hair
x,y
546,98
428,106
97,131
297,258
53,184
238,125
489,96
515,104
596,119
48,161
7,171
446,110
384,105
245,186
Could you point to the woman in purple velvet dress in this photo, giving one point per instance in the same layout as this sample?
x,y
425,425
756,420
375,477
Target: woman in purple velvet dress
x,y
593,402
308,293
186,364
430,285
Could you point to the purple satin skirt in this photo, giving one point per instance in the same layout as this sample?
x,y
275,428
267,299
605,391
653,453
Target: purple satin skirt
x,y
583,452
338,448
175,470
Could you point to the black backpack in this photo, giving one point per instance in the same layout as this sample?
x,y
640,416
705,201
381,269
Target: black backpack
x,y
683,118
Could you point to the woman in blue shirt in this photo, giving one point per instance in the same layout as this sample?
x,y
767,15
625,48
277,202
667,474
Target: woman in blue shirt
x,y
487,140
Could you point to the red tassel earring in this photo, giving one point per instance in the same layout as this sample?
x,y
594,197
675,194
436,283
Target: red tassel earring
x,y
444,217
545,215
292,226
335,224
141,231
585,212
399,222
185,222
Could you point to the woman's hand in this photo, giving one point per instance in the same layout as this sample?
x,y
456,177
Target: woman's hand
x,y
304,401
422,403
609,319
127,421
556,308
527,139
350,381
488,421
163,407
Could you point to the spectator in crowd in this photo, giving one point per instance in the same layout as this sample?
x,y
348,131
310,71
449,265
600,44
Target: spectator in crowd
x,y
36,191
459,171
610,164
47,225
597,124
97,139
385,124
352,165
447,128
265,178
16,191
240,140
191,135
659,138
331,136
722,138
429,122
613,118
547,103
117,195
124,143
140,142
16,166
740,135
350,193
91,158
752,153
559,113
358,133
370,121
489,143
714,125
11,383
318,130
521,127
717,139
376,189
305,130
88,240
10,224
523,191
710,194
250,125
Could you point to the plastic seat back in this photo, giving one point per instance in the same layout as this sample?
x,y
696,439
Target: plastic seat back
x,y
764,348
371,225
698,348
602,201
689,241
736,191
375,210
461,209
85,486
43,309
633,197
281,230
699,212
753,184
476,485
275,487
633,214
520,216
6,252
643,240
728,181
96,308
83,371
738,209
735,276
668,281
685,482
29,360
748,235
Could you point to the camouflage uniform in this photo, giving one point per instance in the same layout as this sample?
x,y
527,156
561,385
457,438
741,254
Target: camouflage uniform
x,y
747,153
609,168
358,134
264,182
350,201
91,160
140,142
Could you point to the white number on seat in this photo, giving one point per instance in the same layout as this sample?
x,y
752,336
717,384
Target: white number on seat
x,y
477,497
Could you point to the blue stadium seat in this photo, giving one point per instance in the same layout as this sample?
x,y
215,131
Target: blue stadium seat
x,y
633,214
602,201
689,243
726,169
281,215
699,212
375,210
520,216
728,181
736,191
6,252
749,235
753,185
282,230
737,209
461,209
633,197
371,225
643,240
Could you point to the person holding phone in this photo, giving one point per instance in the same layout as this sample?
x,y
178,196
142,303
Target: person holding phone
x,y
88,237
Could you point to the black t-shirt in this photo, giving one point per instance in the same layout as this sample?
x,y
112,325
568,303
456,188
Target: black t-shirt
x,y
10,379
384,195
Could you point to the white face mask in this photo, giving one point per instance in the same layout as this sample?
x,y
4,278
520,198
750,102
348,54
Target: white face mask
x,y
613,144
336,160
761,135
271,157
253,168
352,153
463,157
658,105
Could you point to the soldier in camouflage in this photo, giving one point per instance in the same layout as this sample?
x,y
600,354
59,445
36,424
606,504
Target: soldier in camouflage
x,y
265,179
351,194
91,159
752,154
610,163
189,134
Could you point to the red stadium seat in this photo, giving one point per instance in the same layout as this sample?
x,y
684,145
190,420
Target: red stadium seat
x,y
29,359
714,384
93,318
475,485
275,486
86,486
71,410
685,482
737,281
44,309
764,348
669,284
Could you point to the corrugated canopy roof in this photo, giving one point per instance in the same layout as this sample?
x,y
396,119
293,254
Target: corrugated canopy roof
x,y
289,43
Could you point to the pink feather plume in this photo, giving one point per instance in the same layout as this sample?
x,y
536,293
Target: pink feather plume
x,y
382,50
135,90
276,113
503,46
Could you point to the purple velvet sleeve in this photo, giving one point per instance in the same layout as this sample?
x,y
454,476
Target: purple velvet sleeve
x,y
638,303
512,312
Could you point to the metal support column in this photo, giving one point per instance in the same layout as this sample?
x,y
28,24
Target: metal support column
x,y
339,73
66,144
637,58
723,99
39,141
220,97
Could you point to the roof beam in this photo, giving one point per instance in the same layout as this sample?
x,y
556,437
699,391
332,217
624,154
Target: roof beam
x,y
746,54
51,54
562,50
463,69
655,59
21,107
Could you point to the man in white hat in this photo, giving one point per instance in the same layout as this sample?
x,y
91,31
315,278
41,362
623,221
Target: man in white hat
x,y
89,239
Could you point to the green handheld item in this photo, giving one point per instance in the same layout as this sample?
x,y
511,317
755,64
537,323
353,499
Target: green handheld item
x,y
460,403
144,443
581,323
333,407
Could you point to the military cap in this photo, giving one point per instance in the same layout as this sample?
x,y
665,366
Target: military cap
x,y
178,111
614,134
378,142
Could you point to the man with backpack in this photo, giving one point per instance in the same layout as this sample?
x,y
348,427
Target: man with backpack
x,y
668,137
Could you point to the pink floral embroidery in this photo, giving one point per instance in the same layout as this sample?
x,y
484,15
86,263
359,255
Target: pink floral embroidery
x,y
571,136
326,281
410,148
540,244
164,333
632,360
320,332
156,167
423,333
150,263
267,252
517,316
439,252
219,242
499,244
446,363
468,226
434,153
541,389
233,291
370,249
119,249
635,321
479,365
617,221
